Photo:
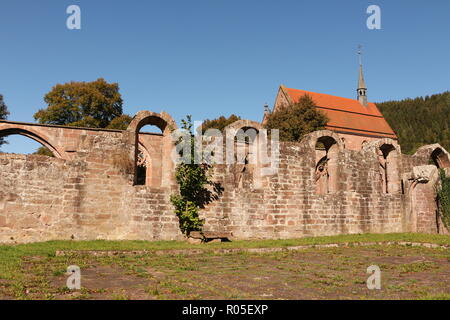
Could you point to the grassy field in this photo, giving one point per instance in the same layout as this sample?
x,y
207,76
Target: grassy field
x,y
33,271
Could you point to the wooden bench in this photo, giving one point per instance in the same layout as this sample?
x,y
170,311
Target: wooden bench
x,y
211,236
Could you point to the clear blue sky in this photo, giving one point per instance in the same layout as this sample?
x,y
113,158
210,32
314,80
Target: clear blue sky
x,y
215,57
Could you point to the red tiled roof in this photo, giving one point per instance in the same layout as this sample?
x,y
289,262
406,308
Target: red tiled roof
x,y
348,115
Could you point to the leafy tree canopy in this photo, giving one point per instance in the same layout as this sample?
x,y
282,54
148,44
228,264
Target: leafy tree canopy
x,y
296,120
83,104
219,123
96,104
120,122
44,151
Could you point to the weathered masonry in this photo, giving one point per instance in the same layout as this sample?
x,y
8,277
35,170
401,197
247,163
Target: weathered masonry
x,y
111,184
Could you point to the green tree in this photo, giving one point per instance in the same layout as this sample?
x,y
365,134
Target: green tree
x,y
419,121
3,115
82,104
193,180
296,120
44,151
96,104
219,123
120,122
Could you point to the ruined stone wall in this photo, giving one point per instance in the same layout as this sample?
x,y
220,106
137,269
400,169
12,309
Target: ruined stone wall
x,y
31,197
423,200
354,142
89,197
287,205
92,194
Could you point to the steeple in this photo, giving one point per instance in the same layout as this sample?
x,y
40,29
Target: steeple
x,y
362,89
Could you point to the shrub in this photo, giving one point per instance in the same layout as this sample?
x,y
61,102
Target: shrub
x,y
443,197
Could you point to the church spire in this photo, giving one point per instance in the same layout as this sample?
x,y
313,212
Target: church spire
x,y
362,89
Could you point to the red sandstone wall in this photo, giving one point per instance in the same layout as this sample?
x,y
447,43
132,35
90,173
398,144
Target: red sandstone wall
x,y
287,205
425,206
353,142
91,195
31,197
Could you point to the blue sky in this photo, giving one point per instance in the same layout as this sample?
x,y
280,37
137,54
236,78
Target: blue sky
x,y
214,57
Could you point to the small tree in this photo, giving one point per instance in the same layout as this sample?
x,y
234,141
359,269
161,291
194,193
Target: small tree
x,y
296,120
3,115
193,180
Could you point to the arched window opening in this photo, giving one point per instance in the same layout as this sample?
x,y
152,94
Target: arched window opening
x,y
246,157
150,139
388,171
245,147
326,168
439,158
22,143
149,128
152,148
247,135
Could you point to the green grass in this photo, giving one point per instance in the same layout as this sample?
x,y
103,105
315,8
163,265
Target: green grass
x,y
32,271
443,296
418,267
11,255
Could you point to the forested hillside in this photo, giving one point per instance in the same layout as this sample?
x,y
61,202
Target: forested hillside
x,y
419,121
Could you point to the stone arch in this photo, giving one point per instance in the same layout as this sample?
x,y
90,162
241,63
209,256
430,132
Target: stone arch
x,y
244,137
310,140
326,145
374,145
166,124
388,160
244,124
436,154
162,120
388,154
440,158
234,128
40,138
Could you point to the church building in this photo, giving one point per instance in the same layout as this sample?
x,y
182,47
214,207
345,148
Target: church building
x,y
355,121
